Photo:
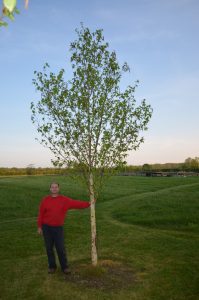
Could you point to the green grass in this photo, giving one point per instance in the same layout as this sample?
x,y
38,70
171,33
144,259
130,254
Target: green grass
x,y
150,225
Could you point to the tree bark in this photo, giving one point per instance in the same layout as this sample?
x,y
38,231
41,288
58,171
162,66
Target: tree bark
x,y
93,222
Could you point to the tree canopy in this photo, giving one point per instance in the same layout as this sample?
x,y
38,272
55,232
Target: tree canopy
x,y
89,120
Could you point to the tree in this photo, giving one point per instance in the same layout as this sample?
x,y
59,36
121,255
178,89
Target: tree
x,y
30,169
9,9
191,164
146,167
88,121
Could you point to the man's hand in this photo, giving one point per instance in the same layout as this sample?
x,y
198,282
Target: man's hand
x,y
93,201
40,232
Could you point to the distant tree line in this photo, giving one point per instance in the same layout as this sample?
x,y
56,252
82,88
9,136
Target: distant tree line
x,y
189,165
31,171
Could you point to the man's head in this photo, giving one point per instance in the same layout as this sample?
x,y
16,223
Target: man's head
x,y
54,188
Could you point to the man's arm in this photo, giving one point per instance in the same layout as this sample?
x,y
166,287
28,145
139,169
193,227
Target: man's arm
x,y
77,204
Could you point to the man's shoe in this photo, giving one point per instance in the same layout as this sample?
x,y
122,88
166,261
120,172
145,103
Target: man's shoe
x,y
67,271
51,270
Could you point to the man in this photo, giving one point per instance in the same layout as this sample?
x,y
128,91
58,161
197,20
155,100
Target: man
x,y
52,211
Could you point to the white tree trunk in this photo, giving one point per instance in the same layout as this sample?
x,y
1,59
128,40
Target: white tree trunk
x,y
93,223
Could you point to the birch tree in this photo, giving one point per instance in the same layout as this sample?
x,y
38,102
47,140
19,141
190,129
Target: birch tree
x,y
89,120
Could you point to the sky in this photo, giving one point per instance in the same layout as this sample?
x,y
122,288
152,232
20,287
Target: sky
x,y
158,39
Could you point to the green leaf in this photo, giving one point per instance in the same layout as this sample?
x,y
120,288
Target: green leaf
x,y
2,23
10,4
11,17
17,11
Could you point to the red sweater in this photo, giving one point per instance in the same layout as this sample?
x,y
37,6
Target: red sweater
x,y
52,210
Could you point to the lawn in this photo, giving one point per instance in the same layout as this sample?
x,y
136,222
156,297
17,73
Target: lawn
x,y
148,241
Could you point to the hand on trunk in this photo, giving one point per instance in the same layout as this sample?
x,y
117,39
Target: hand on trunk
x,y
94,201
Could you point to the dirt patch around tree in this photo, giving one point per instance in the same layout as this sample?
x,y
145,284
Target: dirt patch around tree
x,y
107,275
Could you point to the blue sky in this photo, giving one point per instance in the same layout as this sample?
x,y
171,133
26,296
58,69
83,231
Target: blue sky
x,y
159,40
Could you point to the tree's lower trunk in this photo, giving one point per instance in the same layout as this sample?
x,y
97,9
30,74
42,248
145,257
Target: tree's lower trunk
x,y
93,222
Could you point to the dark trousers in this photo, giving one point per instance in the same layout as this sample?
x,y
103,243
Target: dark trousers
x,y
54,236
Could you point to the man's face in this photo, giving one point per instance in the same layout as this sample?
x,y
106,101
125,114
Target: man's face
x,y
54,188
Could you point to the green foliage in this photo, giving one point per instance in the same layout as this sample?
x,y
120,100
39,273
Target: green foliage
x,y
88,121
9,10
146,167
32,171
10,5
191,164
